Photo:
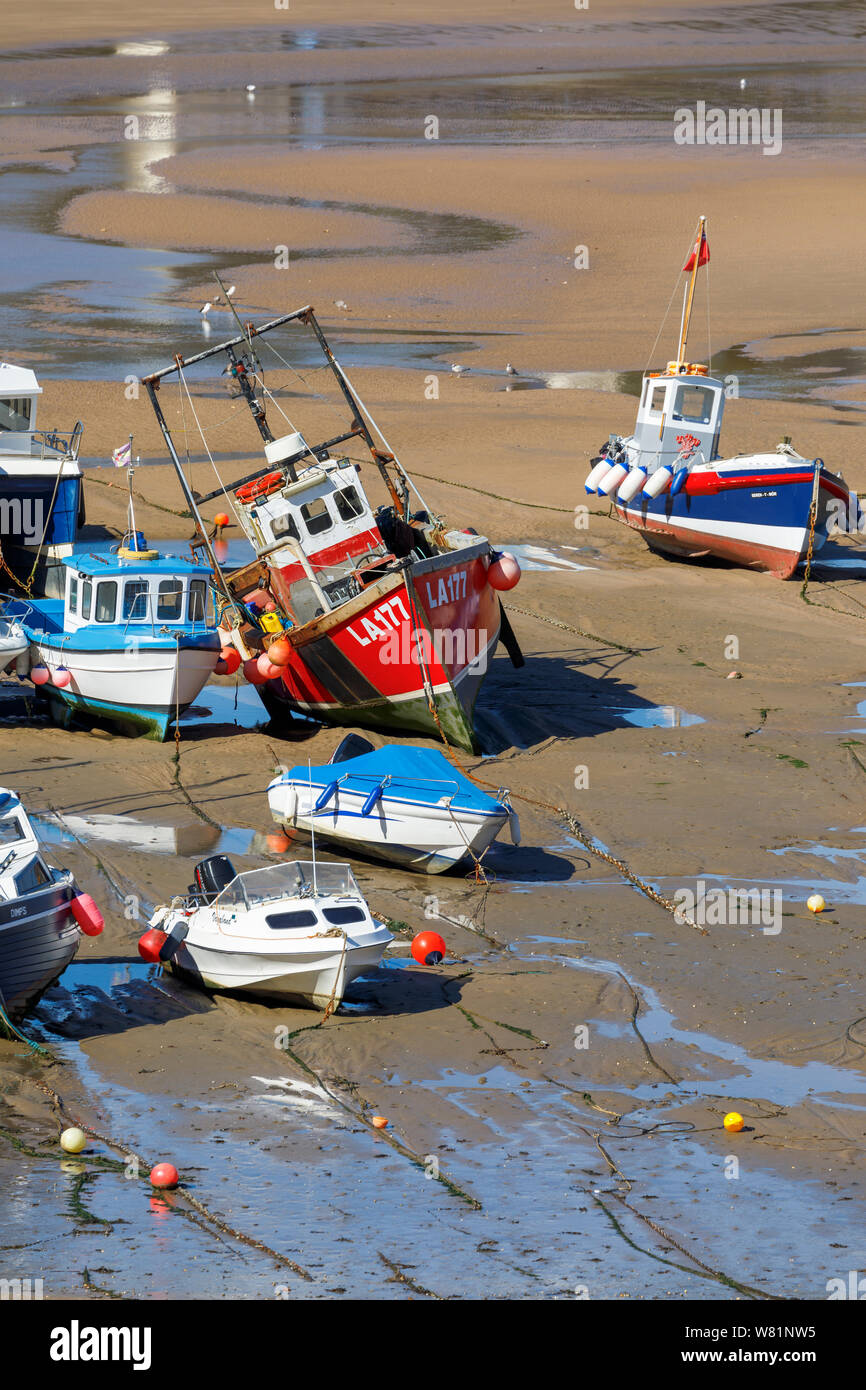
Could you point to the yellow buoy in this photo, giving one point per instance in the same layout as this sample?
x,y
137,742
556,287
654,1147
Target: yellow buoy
x,y
73,1140
816,903
734,1122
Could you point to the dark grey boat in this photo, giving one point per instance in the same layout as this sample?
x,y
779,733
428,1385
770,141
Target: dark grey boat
x,y
38,932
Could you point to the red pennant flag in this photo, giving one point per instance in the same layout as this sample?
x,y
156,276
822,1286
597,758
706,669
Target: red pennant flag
x,y
701,250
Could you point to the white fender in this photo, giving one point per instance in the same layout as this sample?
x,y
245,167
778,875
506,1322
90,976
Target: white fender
x,y
289,808
633,484
598,472
658,482
612,479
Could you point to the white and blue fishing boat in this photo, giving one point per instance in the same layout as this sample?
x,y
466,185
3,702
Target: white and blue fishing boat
x,y
668,481
406,805
41,504
131,642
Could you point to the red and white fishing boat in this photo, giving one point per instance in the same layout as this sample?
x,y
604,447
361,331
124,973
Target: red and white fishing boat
x,y
382,618
668,481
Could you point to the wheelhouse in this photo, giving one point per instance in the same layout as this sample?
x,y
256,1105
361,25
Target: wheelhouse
x,y
158,595
679,416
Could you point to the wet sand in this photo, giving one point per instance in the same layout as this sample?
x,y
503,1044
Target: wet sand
x,y
553,1159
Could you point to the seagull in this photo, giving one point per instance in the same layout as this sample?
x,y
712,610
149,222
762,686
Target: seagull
x,y
742,83
230,291
458,370
205,309
510,371
251,86
341,304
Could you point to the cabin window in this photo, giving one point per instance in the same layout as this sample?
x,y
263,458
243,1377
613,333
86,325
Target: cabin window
x,y
285,525
11,831
349,504
694,403
86,598
341,916
657,399
73,594
135,600
282,921
31,878
15,415
316,516
197,607
106,601
169,599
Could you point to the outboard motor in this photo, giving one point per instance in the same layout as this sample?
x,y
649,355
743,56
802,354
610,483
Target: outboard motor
x,y
212,876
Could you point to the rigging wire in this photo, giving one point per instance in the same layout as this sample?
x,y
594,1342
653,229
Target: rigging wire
x,y
229,496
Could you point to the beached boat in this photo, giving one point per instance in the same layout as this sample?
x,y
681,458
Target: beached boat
x,y
41,913
297,932
14,647
132,641
41,501
382,618
668,481
405,805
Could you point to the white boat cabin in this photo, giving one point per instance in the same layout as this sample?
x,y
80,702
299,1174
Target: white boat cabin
x,y
679,418
164,592
19,398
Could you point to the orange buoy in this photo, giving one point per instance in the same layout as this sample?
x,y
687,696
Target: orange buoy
x,y
379,1122
221,519
428,948
280,652
733,1122
232,659
503,571
164,1175
277,842
150,945
87,914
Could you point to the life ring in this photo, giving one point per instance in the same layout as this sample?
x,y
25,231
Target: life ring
x,y
259,487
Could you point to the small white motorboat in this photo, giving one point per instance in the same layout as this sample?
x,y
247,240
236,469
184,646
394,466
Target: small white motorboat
x,y
297,932
42,914
406,805
14,647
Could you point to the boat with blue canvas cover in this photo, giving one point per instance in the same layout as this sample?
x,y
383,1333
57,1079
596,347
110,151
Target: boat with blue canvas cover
x,y
132,641
406,805
41,504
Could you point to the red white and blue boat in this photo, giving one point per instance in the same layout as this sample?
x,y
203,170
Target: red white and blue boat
x,y
668,480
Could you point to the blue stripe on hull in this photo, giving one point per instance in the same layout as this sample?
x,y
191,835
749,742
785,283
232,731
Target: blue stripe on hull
x,y
780,504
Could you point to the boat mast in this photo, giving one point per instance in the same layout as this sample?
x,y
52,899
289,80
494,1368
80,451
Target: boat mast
x,y
689,293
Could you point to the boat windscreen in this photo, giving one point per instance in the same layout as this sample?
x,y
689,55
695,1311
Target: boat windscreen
x,y
294,880
11,830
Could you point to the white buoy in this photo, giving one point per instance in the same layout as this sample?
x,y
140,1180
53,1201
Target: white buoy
x,y
612,479
658,482
596,474
816,903
73,1140
632,485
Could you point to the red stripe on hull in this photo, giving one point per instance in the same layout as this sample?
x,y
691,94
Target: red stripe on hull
x,y
681,541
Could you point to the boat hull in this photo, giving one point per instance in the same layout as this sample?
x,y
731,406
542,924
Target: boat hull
x,y
140,690
756,518
311,975
409,654
36,946
425,839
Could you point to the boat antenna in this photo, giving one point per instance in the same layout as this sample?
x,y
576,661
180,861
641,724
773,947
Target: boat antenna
x,y
694,263
312,827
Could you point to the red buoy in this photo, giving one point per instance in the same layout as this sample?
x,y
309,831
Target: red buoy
x,y
164,1175
267,669
150,945
87,914
40,674
231,657
428,948
252,672
503,571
